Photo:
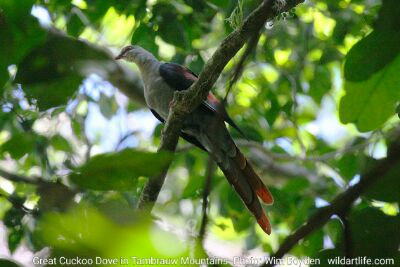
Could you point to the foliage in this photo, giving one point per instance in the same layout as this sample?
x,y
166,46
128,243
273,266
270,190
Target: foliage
x,y
318,100
370,72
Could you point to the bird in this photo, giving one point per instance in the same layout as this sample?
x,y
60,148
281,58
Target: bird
x,y
205,127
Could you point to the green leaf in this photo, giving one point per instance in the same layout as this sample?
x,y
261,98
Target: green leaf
x,y
242,221
145,37
21,32
389,16
374,234
14,238
13,217
194,187
170,25
223,4
8,263
54,196
108,106
52,73
325,255
250,131
60,143
273,112
334,229
371,54
320,84
19,144
118,211
119,171
378,49
53,93
348,166
387,188
398,110
370,103
85,232
311,245
75,25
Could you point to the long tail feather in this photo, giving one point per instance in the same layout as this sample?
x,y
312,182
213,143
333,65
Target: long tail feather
x,y
255,181
248,185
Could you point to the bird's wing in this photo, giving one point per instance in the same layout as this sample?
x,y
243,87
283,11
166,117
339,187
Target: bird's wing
x,y
181,78
191,139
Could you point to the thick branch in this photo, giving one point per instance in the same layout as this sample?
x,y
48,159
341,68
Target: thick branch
x,y
186,101
20,178
341,203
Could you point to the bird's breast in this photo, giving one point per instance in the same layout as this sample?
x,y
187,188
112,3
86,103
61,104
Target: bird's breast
x,y
158,95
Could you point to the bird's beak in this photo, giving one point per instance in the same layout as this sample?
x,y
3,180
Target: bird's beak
x,y
119,56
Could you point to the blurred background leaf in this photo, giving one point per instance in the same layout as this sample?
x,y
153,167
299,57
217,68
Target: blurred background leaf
x,y
119,171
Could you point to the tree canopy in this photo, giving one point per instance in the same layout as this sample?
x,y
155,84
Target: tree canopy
x,y
316,91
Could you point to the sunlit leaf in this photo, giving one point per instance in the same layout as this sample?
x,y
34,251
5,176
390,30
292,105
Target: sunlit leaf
x,y
378,49
369,103
83,231
120,170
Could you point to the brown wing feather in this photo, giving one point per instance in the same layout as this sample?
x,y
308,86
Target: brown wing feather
x,y
181,78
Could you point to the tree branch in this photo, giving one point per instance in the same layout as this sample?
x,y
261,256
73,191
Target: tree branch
x,y
20,178
347,234
206,192
251,46
120,75
341,202
292,170
186,101
19,204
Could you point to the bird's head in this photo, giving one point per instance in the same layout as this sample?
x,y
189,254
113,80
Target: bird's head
x,y
133,53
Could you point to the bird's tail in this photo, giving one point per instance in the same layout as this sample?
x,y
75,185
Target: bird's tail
x,y
249,185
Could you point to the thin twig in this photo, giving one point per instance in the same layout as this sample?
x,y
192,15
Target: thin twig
x,y
321,158
124,138
251,45
347,235
206,192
